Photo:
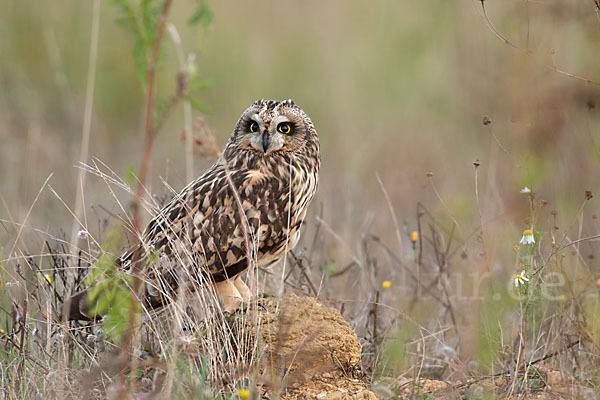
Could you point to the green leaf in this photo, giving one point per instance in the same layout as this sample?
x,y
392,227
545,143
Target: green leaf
x,y
329,268
198,84
103,304
202,14
96,290
198,105
129,175
153,256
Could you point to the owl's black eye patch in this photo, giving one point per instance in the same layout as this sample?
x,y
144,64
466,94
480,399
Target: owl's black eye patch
x,y
285,128
252,127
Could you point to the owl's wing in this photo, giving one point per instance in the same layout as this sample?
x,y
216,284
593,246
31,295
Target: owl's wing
x,y
205,220
203,229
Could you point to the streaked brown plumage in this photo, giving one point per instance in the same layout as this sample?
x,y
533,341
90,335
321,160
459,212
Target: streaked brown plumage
x,y
272,159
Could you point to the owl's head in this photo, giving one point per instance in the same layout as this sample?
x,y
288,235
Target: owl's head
x,y
269,127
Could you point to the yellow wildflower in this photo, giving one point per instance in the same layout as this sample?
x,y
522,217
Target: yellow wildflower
x,y
48,279
386,284
414,236
244,393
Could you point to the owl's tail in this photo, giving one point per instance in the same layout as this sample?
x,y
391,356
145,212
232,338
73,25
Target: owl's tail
x,y
78,308
80,304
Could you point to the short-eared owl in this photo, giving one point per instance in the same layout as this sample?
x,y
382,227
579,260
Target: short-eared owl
x,y
272,163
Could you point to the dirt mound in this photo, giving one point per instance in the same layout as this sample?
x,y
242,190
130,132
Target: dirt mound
x,y
311,350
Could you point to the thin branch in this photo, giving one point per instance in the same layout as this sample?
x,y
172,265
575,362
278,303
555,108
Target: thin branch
x,y
180,93
343,270
150,105
303,269
187,107
580,78
375,312
579,240
392,212
495,31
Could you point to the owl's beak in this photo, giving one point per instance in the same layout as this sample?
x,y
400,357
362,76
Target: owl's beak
x,y
265,141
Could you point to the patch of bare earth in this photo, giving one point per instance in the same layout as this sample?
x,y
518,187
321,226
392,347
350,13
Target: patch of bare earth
x,y
544,383
310,351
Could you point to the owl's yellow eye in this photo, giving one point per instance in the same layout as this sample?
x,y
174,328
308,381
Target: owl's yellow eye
x,y
284,127
253,127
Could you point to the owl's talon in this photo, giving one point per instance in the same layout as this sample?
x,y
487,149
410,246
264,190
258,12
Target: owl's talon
x,y
251,306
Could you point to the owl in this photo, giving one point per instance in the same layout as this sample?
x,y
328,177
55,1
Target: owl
x,y
250,203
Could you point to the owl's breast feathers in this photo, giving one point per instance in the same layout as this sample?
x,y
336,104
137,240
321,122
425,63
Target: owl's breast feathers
x,y
202,227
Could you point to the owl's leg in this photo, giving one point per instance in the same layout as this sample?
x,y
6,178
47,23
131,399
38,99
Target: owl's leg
x,y
230,298
245,292
250,302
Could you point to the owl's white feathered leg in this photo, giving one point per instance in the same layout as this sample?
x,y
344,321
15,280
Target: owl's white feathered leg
x,y
245,292
228,294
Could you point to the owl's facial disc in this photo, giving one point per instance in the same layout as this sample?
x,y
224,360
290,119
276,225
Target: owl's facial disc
x,y
271,136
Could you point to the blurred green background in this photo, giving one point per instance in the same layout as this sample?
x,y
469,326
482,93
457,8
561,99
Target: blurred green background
x,y
395,88
398,88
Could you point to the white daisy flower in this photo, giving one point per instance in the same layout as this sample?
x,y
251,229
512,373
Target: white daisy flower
x,y
521,278
527,237
526,190
91,338
186,339
82,234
